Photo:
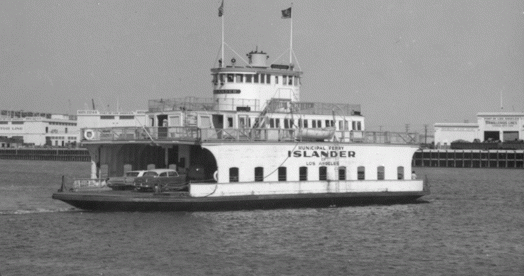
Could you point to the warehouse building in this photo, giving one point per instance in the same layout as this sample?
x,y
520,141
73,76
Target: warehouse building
x,y
490,127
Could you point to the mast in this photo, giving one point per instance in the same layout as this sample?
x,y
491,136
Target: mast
x,y
222,39
291,37
221,15
285,15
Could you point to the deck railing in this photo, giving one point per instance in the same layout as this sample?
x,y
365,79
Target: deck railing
x,y
193,134
275,105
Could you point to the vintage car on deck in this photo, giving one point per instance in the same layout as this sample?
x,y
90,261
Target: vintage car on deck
x,y
126,182
161,180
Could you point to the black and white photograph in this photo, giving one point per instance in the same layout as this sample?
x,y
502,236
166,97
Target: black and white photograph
x,y
242,137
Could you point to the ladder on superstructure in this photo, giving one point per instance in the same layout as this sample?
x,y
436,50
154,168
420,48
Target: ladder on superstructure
x,y
260,120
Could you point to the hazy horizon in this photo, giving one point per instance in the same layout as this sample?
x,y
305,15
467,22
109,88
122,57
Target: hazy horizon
x,y
405,62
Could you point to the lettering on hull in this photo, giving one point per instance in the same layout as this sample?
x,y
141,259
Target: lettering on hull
x,y
322,154
329,155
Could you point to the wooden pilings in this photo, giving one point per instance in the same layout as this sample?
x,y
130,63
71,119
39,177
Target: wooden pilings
x,y
469,158
80,155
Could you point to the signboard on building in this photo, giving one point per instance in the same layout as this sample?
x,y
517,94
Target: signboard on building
x,y
503,122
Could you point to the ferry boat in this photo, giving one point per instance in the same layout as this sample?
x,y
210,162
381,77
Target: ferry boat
x,y
255,145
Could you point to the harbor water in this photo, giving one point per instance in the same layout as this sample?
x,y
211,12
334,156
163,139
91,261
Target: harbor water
x,y
471,224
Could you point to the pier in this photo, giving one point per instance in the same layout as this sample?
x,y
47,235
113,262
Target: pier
x,y
48,154
469,158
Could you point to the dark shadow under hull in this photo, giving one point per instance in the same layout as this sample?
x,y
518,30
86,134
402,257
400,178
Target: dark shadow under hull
x,y
173,202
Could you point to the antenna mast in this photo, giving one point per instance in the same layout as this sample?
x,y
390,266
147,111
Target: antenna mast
x,y
291,37
221,15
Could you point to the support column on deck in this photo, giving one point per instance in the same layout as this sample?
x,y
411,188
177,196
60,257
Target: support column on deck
x,y
183,155
166,156
94,152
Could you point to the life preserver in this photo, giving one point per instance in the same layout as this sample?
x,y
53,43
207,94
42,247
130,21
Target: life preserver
x,y
215,176
89,134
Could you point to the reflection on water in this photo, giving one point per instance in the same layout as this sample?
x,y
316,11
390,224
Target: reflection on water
x,y
473,224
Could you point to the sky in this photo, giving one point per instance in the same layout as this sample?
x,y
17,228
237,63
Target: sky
x,y
405,62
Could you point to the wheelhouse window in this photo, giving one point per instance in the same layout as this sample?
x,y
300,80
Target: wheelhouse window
x,y
230,78
305,124
290,80
262,78
282,174
277,123
259,174
233,174
361,173
319,123
380,173
400,172
284,80
249,78
276,79
255,78
268,79
322,173
272,123
341,173
314,123
302,173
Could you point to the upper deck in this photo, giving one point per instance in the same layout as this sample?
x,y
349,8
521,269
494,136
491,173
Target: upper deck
x,y
194,135
231,104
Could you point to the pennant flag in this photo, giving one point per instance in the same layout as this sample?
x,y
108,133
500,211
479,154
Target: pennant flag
x,y
286,13
221,9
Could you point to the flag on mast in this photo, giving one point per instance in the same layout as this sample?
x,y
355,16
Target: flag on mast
x,y
286,13
221,9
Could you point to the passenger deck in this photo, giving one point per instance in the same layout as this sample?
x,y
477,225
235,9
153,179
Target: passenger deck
x,y
194,135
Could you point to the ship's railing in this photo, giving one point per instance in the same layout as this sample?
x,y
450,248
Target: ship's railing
x,y
275,105
384,137
141,133
187,103
202,104
326,108
194,134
